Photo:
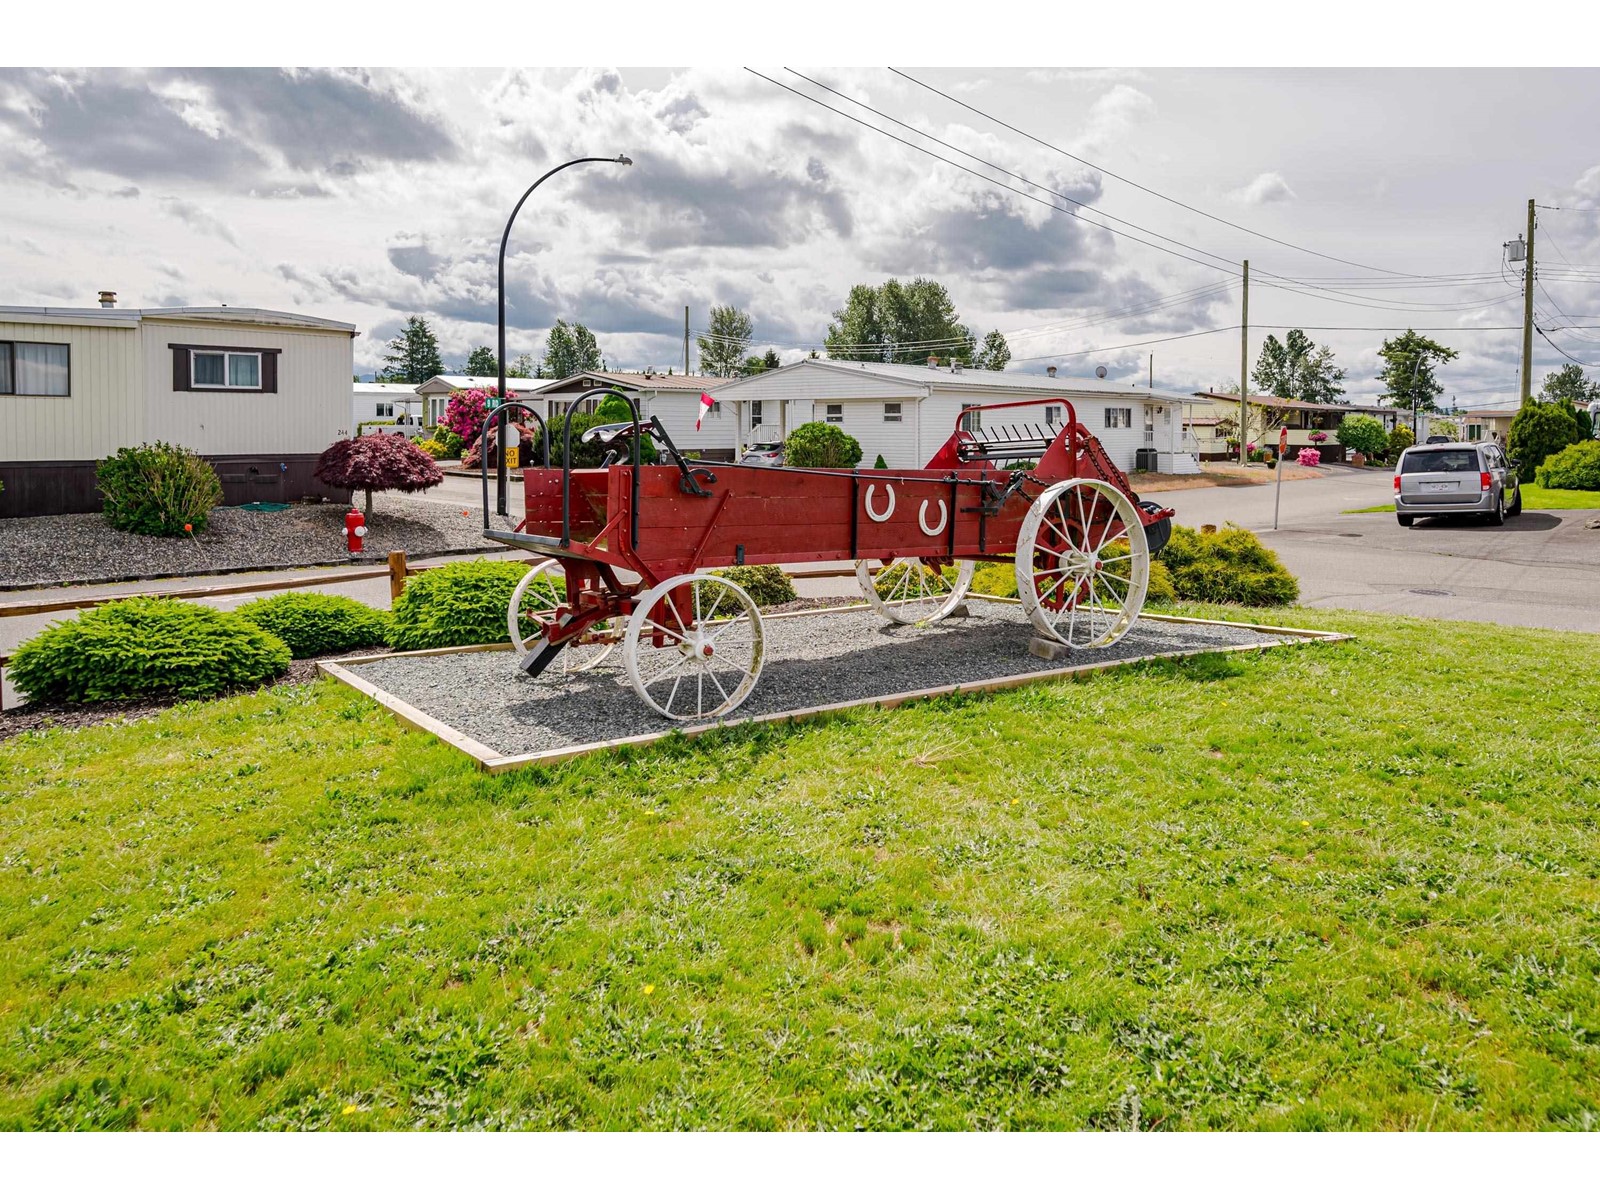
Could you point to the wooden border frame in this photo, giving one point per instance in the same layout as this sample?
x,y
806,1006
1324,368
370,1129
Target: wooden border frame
x,y
495,763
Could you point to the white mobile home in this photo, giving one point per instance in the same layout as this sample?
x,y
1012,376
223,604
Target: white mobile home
x,y
905,412
394,403
261,394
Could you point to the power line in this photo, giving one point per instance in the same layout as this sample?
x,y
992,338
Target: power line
x,y
996,167
1127,345
1140,186
1562,352
985,178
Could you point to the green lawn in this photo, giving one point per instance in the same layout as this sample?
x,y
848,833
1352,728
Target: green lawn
x,y
1534,497
1332,886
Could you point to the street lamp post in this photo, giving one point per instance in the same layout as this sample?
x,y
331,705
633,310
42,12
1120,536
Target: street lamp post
x,y
502,476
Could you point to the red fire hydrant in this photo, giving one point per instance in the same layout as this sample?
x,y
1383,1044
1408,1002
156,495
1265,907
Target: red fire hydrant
x,y
355,528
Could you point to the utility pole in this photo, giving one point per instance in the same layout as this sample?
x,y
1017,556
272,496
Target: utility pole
x,y
1244,366
1527,314
685,339
1152,372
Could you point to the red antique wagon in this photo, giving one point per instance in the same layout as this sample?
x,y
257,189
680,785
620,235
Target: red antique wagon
x,y
634,542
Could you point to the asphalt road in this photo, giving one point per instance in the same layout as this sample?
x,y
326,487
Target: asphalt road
x,y
1539,569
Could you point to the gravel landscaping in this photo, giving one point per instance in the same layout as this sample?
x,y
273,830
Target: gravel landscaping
x,y
82,548
813,660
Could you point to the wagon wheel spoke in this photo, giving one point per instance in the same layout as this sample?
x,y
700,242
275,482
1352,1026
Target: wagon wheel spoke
x,y
908,592
1098,563
726,650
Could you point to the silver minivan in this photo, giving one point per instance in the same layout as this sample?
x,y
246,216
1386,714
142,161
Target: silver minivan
x,y
1455,479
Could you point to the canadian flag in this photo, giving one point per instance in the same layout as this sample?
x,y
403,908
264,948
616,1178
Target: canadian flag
x,y
706,403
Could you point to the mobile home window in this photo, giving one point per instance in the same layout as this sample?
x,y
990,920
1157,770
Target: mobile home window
x,y
1052,414
755,413
835,414
35,369
1119,418
891,412
1474,433
971,420
383,410
236,371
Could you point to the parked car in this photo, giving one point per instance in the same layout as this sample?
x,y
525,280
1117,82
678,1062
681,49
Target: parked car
x,y
1437,439
763,454
1456,478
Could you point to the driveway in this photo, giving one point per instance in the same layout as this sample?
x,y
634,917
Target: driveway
x,y
1539,569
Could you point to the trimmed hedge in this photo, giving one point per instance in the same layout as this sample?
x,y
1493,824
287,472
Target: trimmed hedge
x,y
158,489
463,604
819,444
312,624
1577,467
767,585
1230,566
144,647
1000,579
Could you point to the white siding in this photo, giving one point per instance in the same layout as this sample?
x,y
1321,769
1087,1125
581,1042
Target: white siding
x,y
678,410
309,411
104,412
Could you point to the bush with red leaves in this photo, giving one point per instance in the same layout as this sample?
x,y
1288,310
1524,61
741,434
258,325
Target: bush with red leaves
x,y
378,462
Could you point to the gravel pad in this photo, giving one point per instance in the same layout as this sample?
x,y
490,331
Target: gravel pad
x,y
825,659
83,548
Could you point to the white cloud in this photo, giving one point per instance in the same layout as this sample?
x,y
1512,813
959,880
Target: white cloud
x,y
1269,187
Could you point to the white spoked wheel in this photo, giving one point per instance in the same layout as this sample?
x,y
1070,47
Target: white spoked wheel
x,y
535,598
693,647
909,592
1083,563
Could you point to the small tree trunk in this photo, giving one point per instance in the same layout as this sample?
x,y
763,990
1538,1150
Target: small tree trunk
x,y
368,512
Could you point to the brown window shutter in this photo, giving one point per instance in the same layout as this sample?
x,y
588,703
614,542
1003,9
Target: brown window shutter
x,y
180,370
269,371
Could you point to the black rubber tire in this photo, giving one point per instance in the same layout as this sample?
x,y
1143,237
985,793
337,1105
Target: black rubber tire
x,y
1158,533
1405,521
1516,505
1498,516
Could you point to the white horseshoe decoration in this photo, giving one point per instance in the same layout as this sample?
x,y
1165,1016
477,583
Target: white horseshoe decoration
x,y
888,512
922,518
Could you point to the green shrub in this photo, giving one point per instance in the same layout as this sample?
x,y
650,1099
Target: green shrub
x,y
158,489
442,444
1539,430
878,464
313,624
585,454
463,604
1230,566
1400,437
819,444
1576,467
995,579
1364,434
1161,589
145,647
613,409
767,585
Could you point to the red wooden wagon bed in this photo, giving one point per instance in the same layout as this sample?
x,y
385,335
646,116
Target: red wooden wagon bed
x,y
634,543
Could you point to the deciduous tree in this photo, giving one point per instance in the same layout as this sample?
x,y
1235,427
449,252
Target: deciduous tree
x,y
1297,369
1570,384
900,322
379,462
725,342
570,350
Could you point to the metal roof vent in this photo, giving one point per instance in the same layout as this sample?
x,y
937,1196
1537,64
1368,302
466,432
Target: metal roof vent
x,y
933,360
1050,371
955,366
108,299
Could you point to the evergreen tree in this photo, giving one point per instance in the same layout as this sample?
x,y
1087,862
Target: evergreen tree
x,y
482,363
1407,375
722,347
570,350
757,363
522,367
1570,384
413,355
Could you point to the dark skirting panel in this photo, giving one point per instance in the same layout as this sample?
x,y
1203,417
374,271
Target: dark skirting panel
x,y
36,489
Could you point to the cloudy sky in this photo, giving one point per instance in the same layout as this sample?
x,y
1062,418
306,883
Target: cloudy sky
x,y
368,195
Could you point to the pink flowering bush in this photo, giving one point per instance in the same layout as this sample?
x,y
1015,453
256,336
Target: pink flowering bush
x,y
1250,448
1310,457
467,410
1319,437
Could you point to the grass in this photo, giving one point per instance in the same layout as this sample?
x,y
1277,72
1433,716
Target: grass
x,y
1331,886
1534,498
